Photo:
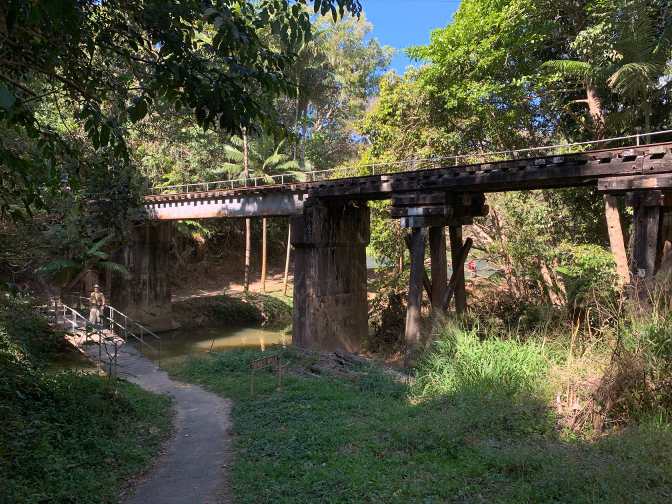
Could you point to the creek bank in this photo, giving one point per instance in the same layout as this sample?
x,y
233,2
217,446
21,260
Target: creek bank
x,y
220,309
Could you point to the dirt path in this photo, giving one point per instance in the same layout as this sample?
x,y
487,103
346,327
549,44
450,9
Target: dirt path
x,y
216,285
196,471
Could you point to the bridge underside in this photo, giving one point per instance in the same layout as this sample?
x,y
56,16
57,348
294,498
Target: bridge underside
x,y
217,205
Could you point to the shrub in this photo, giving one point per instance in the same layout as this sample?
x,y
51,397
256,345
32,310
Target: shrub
x,y
66,437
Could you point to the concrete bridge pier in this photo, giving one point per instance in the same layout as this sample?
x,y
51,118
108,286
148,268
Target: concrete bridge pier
x,y
147,291
330,299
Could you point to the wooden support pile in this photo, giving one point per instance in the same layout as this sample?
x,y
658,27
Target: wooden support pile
x,y
650,196
434,211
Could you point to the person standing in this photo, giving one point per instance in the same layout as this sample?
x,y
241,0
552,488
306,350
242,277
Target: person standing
x,y
97,302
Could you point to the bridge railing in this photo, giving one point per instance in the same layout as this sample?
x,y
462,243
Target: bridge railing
x,y
73,318
400,166
130,327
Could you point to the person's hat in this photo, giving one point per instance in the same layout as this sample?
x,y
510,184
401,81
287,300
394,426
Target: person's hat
x,y
96,286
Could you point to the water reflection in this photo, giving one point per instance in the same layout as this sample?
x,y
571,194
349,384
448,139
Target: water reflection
x,y
176,345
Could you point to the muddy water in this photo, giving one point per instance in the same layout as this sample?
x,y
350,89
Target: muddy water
x,y
177,345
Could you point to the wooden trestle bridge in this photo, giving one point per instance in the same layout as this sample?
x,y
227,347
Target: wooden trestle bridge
x,y
330,228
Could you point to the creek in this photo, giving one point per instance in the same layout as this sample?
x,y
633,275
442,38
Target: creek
x,y
181,343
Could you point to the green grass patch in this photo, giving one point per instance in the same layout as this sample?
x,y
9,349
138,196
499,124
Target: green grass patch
x,y
372,440
251,307
67,438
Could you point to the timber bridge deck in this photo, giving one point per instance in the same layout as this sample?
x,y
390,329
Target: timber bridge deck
x,y
616,170
330,229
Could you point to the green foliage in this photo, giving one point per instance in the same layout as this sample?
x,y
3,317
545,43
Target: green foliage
x,y
325,440
461,361
587,267
232,309
274,309
66,437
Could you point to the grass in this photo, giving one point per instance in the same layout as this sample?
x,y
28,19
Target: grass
x,y
373,440
67,438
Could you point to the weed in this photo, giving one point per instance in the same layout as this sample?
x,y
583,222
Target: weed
x,y
460,360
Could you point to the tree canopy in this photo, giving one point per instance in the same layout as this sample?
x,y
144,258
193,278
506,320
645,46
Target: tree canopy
x,y
104,64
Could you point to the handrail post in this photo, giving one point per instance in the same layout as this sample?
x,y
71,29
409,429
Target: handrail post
x,y
100,348
142,341
159,353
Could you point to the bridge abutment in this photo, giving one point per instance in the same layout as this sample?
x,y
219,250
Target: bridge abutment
x,y
147,291
330,298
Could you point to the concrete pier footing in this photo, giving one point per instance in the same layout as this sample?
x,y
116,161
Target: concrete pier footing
x,y
147,291
330,299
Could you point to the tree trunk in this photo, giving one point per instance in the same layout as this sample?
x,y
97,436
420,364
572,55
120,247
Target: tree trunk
x,y
296,126
414,299
263,258
550,284
595,109
303,143
456,244
289,248
248,235
616,238
647,116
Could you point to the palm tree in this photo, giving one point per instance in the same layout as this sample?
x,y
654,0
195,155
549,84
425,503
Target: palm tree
x,y
75,270
644,58
260,157
631,60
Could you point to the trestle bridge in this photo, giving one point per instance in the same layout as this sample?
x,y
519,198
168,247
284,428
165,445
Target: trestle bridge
x,y
330,228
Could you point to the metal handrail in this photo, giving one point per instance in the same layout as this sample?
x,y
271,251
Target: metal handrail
x,y
416,164
76,327
85,302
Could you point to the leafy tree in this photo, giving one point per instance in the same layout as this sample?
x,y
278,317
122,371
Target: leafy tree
x,y
625,50
113,59
338,73
82,264
265,160
260,157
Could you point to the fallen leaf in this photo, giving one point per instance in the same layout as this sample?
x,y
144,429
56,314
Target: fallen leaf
x,y
154,430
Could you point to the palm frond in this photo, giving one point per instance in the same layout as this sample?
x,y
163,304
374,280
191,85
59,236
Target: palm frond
x,y
115,267
100,244
56,265
298,164
229,167
99,254
233,154
634,78
575,69
274,159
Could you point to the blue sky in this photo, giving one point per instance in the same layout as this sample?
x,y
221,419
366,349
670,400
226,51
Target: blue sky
x,y
401,23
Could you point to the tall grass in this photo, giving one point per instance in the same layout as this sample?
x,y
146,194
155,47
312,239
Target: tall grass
x,y
461,361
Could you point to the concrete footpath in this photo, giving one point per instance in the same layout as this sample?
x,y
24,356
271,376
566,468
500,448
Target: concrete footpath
x,y
199,455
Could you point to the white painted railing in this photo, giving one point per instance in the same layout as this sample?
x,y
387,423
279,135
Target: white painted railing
x,y
130,326
76,318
